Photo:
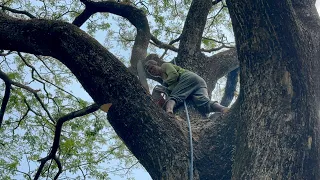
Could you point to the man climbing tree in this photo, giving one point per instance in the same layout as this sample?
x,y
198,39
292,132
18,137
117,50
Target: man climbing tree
x,y
182,84
270,132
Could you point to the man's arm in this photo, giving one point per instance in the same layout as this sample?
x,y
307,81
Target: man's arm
x,y
172,75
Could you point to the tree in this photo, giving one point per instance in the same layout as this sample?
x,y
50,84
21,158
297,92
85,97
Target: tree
x,y
271,130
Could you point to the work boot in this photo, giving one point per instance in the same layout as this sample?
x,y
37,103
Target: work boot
x,y
216,107
169,106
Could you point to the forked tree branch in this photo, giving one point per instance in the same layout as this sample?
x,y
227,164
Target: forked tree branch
x,y
162,45
8,83
57,134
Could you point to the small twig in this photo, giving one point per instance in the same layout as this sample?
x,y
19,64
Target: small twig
x,y
217,41
45,64
213,18
61,89
18,11
28,166
5,54
67,117
170,43
175,40
34,70
175,8
124,168
216,49
66,13
217,13
29,177
143,4
164,53
29,107
44,107
84,176
22,118
25,87
216,2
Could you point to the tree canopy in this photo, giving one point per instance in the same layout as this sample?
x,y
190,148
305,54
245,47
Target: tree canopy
x,y
271,131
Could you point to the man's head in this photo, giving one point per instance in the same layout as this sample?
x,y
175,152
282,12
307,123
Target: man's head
x,y
153,68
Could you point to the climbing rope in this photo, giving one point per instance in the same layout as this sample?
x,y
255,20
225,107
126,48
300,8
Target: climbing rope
x,y
190,141
190,137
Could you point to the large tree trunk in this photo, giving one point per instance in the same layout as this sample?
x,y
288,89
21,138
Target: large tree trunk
x,y
278,125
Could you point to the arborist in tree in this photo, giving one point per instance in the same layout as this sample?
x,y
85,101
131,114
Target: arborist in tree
x,y
181,84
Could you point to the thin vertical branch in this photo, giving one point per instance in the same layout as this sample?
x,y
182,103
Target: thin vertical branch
x,y
5,101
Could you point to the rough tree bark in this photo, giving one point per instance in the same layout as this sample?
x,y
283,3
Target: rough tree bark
x,y
278,124
271,131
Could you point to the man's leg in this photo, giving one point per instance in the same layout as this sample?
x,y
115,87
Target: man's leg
x,y
216,107
204,104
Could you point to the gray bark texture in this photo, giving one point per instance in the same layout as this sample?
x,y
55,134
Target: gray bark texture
x,y
278,126
271,132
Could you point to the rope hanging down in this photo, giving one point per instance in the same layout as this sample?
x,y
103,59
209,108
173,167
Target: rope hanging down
x,y
190,137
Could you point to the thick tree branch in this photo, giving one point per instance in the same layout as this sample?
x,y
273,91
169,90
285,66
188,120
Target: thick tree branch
x,y
214,67
134,116
5,101
83,17
137,18
231,85
223,62
56,159
192,31
219,136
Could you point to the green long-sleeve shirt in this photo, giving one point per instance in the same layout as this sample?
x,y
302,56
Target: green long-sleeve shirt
x,y
171,74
